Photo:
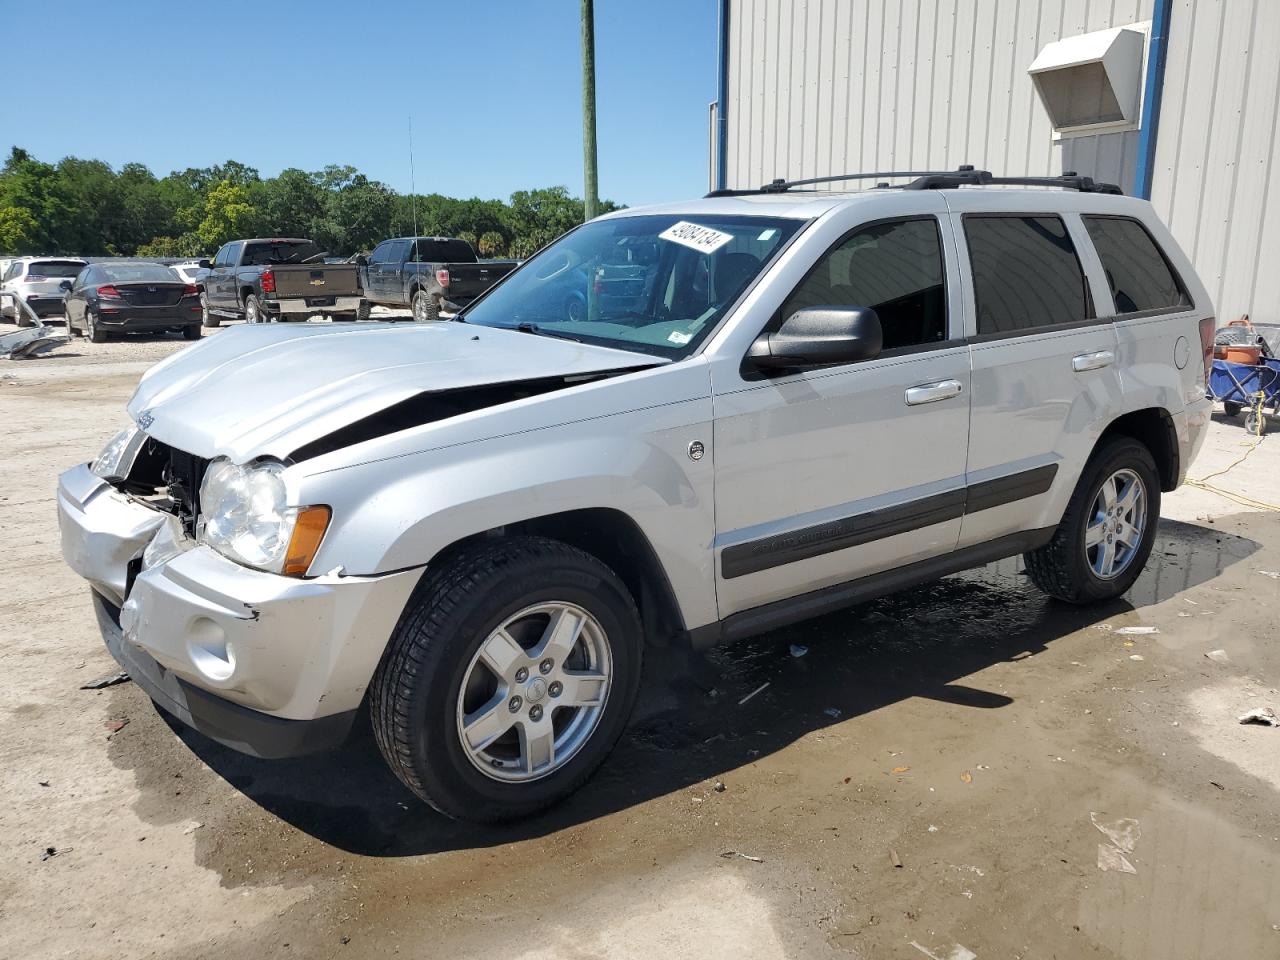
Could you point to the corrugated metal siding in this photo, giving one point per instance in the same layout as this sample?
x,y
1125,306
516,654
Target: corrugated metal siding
x,y
830,86
1217,182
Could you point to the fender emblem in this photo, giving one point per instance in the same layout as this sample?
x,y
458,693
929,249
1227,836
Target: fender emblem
x,y
145,420
696,450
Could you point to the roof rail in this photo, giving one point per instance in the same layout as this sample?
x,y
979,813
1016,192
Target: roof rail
x,y
982,178
963,176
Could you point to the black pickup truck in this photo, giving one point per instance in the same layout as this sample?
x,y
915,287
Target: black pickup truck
x,y
278,278
429,274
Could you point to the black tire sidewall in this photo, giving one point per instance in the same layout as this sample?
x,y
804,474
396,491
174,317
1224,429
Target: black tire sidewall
x,y
452,782
1118,455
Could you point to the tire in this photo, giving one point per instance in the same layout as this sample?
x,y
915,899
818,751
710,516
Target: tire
x,y
426,683
1231,409
72,332
192,331
426,308
362,311
253,312
91,329
575,309
208,319
1255,423
1063,567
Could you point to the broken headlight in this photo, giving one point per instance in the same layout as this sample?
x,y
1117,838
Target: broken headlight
x,y
116,458
245,516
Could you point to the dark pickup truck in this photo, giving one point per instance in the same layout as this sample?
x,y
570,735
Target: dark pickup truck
x,y
429,274
278,278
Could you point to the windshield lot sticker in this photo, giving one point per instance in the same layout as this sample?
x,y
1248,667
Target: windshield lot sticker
x,y
702,239
677,337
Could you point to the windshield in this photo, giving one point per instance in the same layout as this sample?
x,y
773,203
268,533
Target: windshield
x,y
654,284
279,251
54,269
138,273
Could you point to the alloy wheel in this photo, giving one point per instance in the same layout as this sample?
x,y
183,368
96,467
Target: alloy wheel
x,y
534,692
1116,525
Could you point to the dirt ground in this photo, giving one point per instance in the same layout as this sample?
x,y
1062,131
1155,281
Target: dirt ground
x,y
932,778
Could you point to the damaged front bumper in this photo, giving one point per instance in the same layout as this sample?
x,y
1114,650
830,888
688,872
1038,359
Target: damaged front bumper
x,y
270,665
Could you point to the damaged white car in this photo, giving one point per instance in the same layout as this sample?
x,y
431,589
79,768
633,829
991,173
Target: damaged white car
x,y
684,423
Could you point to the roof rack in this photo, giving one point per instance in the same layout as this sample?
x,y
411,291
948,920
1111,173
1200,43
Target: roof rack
x,y
963,176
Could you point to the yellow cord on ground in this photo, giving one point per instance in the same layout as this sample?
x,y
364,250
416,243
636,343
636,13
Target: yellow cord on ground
x,y
1236,497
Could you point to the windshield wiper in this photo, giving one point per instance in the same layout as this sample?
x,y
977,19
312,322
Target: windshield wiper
x,y
526,327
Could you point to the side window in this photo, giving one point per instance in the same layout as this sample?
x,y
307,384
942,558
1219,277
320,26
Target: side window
x,y
398,251
895,268
1137,272
1025,273
380,252
233,253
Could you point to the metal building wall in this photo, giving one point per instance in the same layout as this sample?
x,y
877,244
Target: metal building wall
x,y
831,86
1217,179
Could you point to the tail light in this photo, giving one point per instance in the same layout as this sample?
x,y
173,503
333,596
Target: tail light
x,y
442,277
108,292
190,290
1207,328
35,278
268,281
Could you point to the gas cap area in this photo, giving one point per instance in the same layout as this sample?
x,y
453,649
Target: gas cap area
x,y
1181,352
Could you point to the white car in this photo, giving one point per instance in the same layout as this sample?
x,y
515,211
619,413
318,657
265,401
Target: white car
x,y
190,271
470,529
38,283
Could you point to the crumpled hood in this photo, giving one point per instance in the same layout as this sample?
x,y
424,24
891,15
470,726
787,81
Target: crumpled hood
x,y
265,390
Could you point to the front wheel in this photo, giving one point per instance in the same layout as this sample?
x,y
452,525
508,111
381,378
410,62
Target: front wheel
x,y
207,319
509,678
1108,529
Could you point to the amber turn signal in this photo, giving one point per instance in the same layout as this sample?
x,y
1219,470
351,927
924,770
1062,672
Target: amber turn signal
x,y
308,531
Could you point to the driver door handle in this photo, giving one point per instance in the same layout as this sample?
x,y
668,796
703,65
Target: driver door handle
x,y
933,392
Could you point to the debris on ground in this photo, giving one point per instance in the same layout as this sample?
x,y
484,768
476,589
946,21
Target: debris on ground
x,y
758,690
51,852
1264,716
1124,834
29,342
719,787
832,712
730,854
1022,655
115,725
1136,656
967,777
1215,783
109,680
955,952
192,827
1218,656
1137,631
1273,574
798,650
894,858
900,769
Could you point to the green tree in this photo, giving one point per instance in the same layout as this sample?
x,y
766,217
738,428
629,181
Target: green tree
x,y
491,243
228,215
18,230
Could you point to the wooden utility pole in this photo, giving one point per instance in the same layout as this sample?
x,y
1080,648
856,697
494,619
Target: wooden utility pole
x,y
591,188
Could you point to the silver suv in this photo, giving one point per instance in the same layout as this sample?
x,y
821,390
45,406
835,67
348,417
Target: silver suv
x,y
771,405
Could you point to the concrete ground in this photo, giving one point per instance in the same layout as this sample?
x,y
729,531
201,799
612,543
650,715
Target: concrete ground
x,y
945,773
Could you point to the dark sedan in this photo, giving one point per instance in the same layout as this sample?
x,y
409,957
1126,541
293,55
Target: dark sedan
x,y
109,298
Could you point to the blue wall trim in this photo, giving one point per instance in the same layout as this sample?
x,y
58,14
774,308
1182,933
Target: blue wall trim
x,y
722,96
1153,87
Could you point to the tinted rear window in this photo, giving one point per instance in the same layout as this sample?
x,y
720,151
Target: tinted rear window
x,y
1025,273
1137,272
445,251
58,269
259,254
138,273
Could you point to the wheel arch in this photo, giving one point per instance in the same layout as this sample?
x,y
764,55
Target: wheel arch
x,y
1154,428
612,537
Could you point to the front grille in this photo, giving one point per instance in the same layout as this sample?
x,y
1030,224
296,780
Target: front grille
x,y
169,480
184,474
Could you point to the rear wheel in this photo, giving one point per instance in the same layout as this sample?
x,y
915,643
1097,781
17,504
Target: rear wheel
x,y
1108,529
362,311
1231,409
253,312
508,680
192,331
91,329
207,319
426,309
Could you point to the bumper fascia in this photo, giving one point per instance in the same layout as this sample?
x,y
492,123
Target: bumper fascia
x,y
148,318
299,305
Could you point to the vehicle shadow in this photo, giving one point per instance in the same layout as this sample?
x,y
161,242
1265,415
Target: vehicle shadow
x,y
920,643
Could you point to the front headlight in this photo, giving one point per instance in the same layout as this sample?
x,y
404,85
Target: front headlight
x,y
116,459
246,516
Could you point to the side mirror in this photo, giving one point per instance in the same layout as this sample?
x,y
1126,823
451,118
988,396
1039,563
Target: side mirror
x,y
820,335
204,264
65,286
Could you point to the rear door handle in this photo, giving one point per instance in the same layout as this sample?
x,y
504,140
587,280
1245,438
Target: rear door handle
x,y
1092,361
933,392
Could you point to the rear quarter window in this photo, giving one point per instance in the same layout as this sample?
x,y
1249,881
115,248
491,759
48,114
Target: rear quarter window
x,y
1138,272
1025,273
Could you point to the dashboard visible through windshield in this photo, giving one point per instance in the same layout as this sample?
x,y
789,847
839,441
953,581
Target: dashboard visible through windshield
x,y
651,283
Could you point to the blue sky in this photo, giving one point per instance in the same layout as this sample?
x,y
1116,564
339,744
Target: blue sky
x,y
494,89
